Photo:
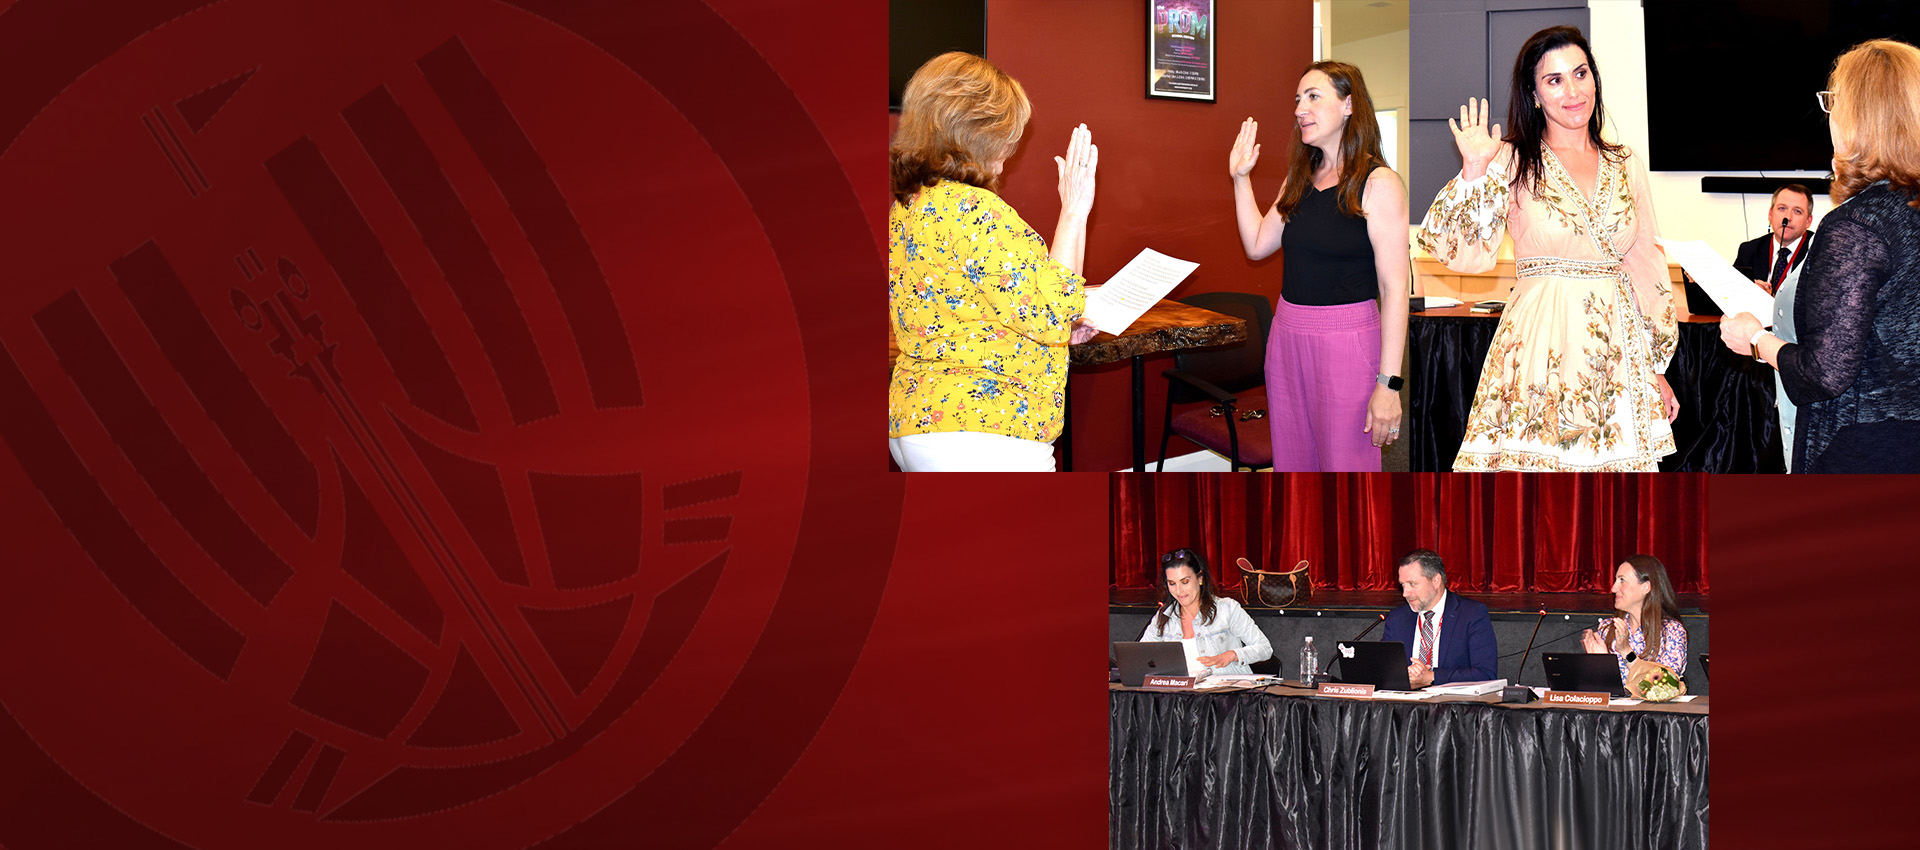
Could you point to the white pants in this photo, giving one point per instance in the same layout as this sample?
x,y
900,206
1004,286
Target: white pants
x,y
970,451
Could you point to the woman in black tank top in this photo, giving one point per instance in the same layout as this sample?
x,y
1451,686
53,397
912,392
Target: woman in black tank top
x,y
1333,356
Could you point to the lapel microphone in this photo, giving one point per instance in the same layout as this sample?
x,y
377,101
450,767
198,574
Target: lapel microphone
x,y
1517,692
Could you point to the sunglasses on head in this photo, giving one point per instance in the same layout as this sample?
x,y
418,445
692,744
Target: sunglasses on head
x,y
1177,553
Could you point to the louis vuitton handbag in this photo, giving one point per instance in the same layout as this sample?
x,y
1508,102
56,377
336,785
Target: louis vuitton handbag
x,y
1276,590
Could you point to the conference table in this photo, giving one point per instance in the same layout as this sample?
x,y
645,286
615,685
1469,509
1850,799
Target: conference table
x,y
1282,767
1727,422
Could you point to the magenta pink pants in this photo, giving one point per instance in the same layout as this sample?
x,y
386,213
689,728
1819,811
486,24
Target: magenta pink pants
x,y
1321,363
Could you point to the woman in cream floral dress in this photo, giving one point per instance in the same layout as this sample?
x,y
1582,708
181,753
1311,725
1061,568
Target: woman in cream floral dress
x,y
1574,378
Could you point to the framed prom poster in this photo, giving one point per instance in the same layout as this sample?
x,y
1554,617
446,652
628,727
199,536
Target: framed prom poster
x,y
1180,49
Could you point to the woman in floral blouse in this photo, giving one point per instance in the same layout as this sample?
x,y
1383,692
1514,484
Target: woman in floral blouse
x,y
982,310
1574,379
1651,626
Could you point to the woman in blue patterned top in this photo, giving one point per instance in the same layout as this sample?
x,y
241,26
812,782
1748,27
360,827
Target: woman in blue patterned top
x,y
1650,627
1225,638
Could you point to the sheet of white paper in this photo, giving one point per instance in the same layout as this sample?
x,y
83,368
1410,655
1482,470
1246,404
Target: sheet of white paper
x,y
1623,701
1139,285
1730,289
1435,302
1403,695
1191,646
1689,697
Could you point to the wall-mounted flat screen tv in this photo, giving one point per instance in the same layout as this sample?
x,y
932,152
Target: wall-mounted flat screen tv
x,y
1730,83
918,30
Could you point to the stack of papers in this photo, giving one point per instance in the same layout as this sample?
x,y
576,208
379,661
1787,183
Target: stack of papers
x,y
1235,680
1468,689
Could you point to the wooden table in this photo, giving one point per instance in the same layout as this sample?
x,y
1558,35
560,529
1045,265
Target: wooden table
x,y
1166,326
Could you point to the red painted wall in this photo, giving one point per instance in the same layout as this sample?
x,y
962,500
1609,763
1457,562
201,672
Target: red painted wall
x,y
1163,163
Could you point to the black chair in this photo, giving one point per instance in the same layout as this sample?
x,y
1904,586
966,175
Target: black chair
x,y
1233,377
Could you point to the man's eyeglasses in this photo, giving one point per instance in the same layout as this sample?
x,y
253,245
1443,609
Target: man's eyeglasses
x,y
1826,101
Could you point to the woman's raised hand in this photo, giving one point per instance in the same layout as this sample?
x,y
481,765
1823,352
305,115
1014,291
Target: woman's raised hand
x,y
1477,144
1076,172
1246,150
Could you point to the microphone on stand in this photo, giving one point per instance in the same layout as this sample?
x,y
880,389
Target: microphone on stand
x,y
1517,692
1336,647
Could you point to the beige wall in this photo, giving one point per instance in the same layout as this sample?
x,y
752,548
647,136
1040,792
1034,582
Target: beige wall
x,y
1383,59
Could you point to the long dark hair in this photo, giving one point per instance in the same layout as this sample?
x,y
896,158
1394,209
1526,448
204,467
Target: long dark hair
x,y
1659,605
1168,605
1359,146
1527,126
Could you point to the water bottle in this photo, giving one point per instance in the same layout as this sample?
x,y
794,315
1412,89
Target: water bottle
x,y
1309,664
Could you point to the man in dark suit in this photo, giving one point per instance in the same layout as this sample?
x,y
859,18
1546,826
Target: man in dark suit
x,y
1449,638
1768,259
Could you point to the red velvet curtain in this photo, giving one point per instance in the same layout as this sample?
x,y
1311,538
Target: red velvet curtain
x,y
1496,533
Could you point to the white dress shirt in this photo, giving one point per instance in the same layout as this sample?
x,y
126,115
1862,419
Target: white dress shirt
x,y
1439,617
1773,256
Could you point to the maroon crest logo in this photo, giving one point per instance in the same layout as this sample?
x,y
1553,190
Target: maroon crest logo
x,y
393,453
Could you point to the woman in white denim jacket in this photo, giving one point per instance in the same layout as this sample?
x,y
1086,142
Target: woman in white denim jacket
x,y
1225,638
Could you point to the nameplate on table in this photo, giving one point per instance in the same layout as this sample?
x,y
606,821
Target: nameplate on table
x,y
1183,683
1586,698
1337,689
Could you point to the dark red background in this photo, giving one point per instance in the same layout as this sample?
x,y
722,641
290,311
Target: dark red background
x,y
916,686
1084,61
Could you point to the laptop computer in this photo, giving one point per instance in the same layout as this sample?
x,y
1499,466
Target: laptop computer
x,y
1380,663
1583,671
1140,659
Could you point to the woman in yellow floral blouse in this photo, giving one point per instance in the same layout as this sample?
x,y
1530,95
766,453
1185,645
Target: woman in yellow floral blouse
x,y
982,310
1574,379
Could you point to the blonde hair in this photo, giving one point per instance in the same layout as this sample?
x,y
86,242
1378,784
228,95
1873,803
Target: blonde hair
x,y
1876,98
960,116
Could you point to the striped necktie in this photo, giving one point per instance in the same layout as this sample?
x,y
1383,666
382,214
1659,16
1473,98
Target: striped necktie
x,y
1426,638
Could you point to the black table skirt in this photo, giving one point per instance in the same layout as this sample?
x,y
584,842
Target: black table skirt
x,y
1252,769
1727,418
